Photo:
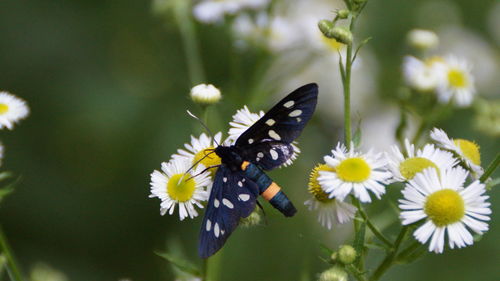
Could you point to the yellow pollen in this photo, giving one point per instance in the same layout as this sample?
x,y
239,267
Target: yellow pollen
x,y
444,207
211,159
332,44
314,186
3,108
412,166
181,191
470,150
457,78
353,170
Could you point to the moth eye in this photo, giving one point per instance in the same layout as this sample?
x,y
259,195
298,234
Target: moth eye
x,y
289,104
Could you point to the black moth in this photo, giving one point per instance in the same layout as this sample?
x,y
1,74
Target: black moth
x,y
240,178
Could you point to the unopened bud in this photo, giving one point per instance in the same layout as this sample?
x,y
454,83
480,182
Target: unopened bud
x,y
253,219
343,14
347,254
335,273
341,34
205,94
422,39
326,27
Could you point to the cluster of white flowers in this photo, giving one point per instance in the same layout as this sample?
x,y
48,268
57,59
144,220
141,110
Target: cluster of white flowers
x,y
213,11
186,179
435,189
450,77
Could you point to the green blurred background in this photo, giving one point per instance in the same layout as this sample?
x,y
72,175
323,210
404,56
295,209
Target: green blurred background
x,y
107,85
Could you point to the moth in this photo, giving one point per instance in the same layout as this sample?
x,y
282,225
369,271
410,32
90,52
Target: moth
x,y
240,178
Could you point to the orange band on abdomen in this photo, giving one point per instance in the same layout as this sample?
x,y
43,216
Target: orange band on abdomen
x,y
244,165
272,190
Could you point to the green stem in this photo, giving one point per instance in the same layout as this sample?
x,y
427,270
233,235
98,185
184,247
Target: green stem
x,y
491,168
374,229
347,95
391,255
12,268
188,36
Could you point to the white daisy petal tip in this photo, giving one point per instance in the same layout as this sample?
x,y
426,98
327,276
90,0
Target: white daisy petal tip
x,y
12,110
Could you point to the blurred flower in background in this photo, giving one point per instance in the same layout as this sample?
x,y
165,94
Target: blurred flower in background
x,y
44,272
12,110
213,11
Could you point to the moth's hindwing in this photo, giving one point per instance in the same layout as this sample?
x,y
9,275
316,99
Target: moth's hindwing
x,y
233,197
281,124
268,155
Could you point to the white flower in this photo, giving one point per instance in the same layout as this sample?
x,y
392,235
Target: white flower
x,y
422,39
422,76
467,151
176,187
212,11
354,172
201,150
447,206
458,83
330,210
404,168
205,94
244,119
12,109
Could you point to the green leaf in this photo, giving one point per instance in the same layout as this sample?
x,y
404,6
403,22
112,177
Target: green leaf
x,y
359,241
325,249
492,183
181,264
9,188
412,253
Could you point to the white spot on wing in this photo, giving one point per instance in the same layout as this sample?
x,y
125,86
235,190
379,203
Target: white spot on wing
x,y
274,154
224,179
260,154
216,203
270,122
209,225
244,197
274,135
289,104
250,141
295,113
222,232
227,203
216,230
240,184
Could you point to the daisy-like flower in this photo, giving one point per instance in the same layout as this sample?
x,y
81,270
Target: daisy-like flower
x,y
423,76
404,168
201,151
213,11
330,210
354,172
468,151
458,83
422,39
176,187
205,94
447,206
242,120
12,109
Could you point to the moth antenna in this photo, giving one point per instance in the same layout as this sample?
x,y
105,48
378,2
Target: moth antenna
x,y
194,165
204,126
204,170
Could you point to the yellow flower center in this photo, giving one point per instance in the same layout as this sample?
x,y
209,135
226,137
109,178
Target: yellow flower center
x,y
353,170
412,166
314,186
444,207
332,44
181,190
470,150
3,108
209,159
457,78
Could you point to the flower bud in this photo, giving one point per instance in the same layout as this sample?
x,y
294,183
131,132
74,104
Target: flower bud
x,y
335,273
422,39
326,27
253,219
341,34
347,254
205,94
343,14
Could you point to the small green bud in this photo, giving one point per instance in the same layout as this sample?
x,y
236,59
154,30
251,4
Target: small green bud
x,y
326,27
343,14
205,94
335,273
253,219
347,254
341,34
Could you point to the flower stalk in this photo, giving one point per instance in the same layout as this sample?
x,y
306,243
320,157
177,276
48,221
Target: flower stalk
x,y
12,268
